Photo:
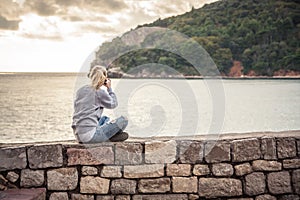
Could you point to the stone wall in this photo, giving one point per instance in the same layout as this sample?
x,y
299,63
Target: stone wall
x,y
250,169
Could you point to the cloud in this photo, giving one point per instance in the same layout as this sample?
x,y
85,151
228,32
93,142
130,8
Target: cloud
x,y
77,17
9,24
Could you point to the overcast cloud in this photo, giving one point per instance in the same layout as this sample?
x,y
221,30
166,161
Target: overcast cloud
x,y
58,19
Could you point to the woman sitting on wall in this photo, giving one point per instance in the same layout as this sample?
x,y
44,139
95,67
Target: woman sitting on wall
x,y
88,123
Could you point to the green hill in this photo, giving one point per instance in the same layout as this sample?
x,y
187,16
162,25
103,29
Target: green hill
x,y
264,36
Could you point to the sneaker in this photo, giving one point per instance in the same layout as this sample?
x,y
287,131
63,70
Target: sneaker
x,y
119,137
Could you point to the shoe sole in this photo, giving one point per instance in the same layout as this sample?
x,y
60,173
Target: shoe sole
x,y
119,137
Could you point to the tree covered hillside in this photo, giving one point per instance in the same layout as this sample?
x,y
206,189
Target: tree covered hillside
x,y
264,35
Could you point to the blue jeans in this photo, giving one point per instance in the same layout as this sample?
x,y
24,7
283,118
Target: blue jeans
x,y
106,129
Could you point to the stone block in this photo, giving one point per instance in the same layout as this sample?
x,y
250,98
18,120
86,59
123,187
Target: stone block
x,y
123,186
122,197
23,194
91,156
201,170
242,169
59,196
160,152
296,181
193,197
129,153
32,178
255,183
222,169
265,197
289,197
94,185
291,163
86,170
12,176
216,152
286,147
298,147
144,171
111,171
264,165
268,148
161,197
12,158
279,182
191,152
159,185
178,170
185,184
82,197
240,199
219,187
62,179
45,156
246,150
106,197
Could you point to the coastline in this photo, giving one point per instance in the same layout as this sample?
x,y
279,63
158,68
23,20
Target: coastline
x,y
152,77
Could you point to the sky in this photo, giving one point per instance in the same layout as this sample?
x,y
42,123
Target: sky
x,y
60,35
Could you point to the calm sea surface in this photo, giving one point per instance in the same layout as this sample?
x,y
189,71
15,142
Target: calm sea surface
x,y
39,107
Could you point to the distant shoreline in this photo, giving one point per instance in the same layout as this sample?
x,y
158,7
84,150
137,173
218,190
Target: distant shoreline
x,y
156,77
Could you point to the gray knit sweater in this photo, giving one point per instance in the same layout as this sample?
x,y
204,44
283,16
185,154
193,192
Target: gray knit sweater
x,y
88,108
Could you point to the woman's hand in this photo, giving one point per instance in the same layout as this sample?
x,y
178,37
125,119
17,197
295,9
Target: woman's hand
x,y
108,83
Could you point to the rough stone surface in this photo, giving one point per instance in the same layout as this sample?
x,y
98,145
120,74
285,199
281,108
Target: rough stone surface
x,y
279,182
265,197
94,185
286,148
159,185
165,150
86,170
190,152
144,171
222,169
217,152
12,158
178,170
268,148
255,183
82,197
111,171
45,156
161,197
193,197
264,165
291,163
201,170
219,187
298,147
23,194
242,169
123,186
59,196
91,156
122,197
129,153
296,180
246,150
105,197
289,197
185,184
12,176
62,179
32,178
